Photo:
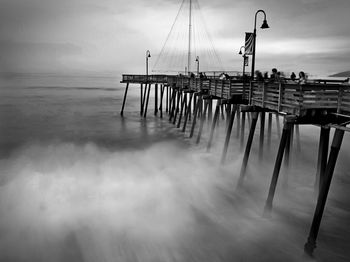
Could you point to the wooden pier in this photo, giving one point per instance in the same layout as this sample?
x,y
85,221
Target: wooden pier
x,y
322,103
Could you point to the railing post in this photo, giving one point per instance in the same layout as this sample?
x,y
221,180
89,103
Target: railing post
x,y
340,96
280,97
251,86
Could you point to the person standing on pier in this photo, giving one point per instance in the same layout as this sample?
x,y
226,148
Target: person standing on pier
x,y
293,76
302,78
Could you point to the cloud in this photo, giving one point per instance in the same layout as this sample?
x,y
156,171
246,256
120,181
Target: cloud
x,y
19,56
117,33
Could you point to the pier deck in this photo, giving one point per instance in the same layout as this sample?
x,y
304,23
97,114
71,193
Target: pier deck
x,y
284,97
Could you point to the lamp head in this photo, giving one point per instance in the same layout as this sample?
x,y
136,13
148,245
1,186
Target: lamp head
x,y
264,25
148,53
240,52
197,58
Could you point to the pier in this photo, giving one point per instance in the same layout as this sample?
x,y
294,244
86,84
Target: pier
x,y
323,103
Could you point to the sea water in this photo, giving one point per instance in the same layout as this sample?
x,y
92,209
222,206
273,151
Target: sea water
x,y
78,182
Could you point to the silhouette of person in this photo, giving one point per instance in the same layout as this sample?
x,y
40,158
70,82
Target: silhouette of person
x,y
259,76
302,78
293,76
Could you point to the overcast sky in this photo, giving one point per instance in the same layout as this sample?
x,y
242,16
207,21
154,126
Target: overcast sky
x,y
113,35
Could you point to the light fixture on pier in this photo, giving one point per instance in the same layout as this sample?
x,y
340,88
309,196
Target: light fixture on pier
x,y
263,26
148,55
197,60
244,59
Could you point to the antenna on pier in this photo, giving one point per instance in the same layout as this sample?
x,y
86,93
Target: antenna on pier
x,y
188,38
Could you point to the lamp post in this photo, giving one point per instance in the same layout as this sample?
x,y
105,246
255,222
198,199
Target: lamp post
x,y
197,60
148,55
263,26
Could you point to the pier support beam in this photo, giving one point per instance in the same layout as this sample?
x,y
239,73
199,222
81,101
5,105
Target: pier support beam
x,y
196,112
147,100
188,112
213,124
206,103
162,88
183,105
322,156
242,130
179,96
156,99
172,104
247,149
124,100
284,140
141,99
269,131
321,202
228,133
262,134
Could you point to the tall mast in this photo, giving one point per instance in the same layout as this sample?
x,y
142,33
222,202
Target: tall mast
x,y
189,38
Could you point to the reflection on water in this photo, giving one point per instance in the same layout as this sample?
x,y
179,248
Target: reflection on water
x,y
80,183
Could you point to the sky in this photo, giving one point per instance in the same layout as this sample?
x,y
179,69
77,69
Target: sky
x,y
113,35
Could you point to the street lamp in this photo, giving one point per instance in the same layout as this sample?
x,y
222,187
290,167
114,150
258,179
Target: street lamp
x,y
148,55
263,26
197,60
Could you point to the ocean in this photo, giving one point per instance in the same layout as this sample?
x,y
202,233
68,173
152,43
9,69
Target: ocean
x,y
78,182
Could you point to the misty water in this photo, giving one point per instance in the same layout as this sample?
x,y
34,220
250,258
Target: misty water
x,y
80,183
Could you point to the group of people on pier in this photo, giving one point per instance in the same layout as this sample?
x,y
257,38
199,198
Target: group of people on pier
x,y
276,76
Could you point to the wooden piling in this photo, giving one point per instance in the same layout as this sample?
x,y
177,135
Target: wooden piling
x,y
141,99
262,134
124,100
278,125
287,158
247,149
238,126
167,99
206,102
179,95
210,110
147,100
269,131
284,139
155,99
242,130
196,112
228,134
162,90
213,125
172,104
321,202
188,112
228,113
297,135
183,105
322,156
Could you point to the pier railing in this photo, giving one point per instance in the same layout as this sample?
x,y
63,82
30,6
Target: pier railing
x,y
289,97
296,98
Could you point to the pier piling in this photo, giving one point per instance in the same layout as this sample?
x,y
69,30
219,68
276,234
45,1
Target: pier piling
x,y
321,201
247,150
283,143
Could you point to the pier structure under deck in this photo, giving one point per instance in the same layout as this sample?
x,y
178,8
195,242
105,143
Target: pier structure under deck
x,y
323,103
